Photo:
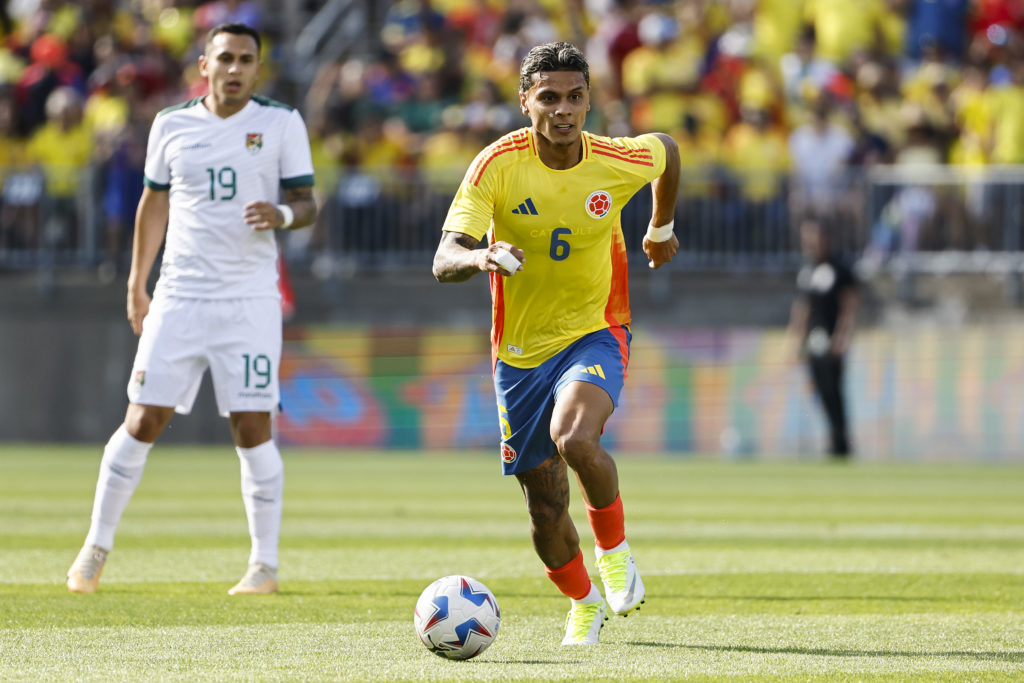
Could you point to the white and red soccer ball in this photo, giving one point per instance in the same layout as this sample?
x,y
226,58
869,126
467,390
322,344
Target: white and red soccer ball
x,y
457,617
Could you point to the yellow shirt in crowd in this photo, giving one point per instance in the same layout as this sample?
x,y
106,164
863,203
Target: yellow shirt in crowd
x,y
62,154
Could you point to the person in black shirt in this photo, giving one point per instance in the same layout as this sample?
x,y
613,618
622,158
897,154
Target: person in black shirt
x,y
822,320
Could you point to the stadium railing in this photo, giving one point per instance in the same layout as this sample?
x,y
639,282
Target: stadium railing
x,y
896,219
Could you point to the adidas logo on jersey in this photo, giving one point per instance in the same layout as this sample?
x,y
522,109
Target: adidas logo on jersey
x,y
526,208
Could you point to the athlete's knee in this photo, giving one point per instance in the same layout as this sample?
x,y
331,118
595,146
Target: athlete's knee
x,y
250,429
146,423
576,446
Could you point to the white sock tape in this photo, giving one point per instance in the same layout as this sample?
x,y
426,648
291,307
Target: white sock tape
x,y
662,233
507,261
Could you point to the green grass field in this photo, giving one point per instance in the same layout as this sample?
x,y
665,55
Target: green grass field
x,y
794,571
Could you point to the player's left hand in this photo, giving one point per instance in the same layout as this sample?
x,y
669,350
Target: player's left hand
x,y
262,215
660,253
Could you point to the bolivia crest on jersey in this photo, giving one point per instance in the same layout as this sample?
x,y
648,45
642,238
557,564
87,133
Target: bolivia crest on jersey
x,y
599,204
253,142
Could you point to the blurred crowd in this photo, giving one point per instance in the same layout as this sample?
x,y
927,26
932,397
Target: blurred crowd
x,y
780,97
80,83
774,100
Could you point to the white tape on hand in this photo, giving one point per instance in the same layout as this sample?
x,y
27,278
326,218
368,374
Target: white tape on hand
x,y
662,233
506,260
287,214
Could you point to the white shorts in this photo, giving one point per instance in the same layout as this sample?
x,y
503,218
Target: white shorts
x,y
239,340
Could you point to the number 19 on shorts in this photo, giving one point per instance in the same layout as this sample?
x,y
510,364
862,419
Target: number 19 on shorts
x,y
257,371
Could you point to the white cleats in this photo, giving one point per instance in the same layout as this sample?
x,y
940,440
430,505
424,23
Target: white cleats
x,y
84,574
260,579
585,620
623,588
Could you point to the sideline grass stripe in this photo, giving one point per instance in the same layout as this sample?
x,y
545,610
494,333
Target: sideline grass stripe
x,y
773,571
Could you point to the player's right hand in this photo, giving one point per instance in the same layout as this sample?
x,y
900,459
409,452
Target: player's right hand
x,y
138,307
500,251
660,253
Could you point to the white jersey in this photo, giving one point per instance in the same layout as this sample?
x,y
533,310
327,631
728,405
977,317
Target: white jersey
x,y
213,167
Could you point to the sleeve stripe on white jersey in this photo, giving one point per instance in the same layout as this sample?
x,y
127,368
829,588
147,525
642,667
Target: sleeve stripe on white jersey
x,y
298,181
153,185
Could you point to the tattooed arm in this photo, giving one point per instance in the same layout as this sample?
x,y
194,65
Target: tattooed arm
x,y
457,258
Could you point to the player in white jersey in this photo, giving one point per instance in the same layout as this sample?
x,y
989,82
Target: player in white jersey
x,y
215,167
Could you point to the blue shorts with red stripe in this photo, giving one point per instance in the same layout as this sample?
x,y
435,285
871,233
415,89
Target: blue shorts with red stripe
x,y
526,397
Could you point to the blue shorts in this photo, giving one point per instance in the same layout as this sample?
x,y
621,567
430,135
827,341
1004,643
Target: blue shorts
x,y
526,397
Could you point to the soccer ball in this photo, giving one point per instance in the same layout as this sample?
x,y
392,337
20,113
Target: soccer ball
x,y
457,617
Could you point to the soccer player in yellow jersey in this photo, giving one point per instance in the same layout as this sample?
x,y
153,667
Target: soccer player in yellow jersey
x,y
548,199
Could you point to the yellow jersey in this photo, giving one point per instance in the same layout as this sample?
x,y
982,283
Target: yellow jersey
x,y
574,279
1006,105
844,26
63,155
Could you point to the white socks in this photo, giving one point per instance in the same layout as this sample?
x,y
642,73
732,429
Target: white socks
x,y
593,596
124,459
262,490
601,552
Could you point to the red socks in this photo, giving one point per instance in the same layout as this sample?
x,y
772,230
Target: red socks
x,y
572,579
608,524
609,527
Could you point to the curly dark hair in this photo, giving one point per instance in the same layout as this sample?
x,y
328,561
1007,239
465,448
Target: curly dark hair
x,y
557,56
